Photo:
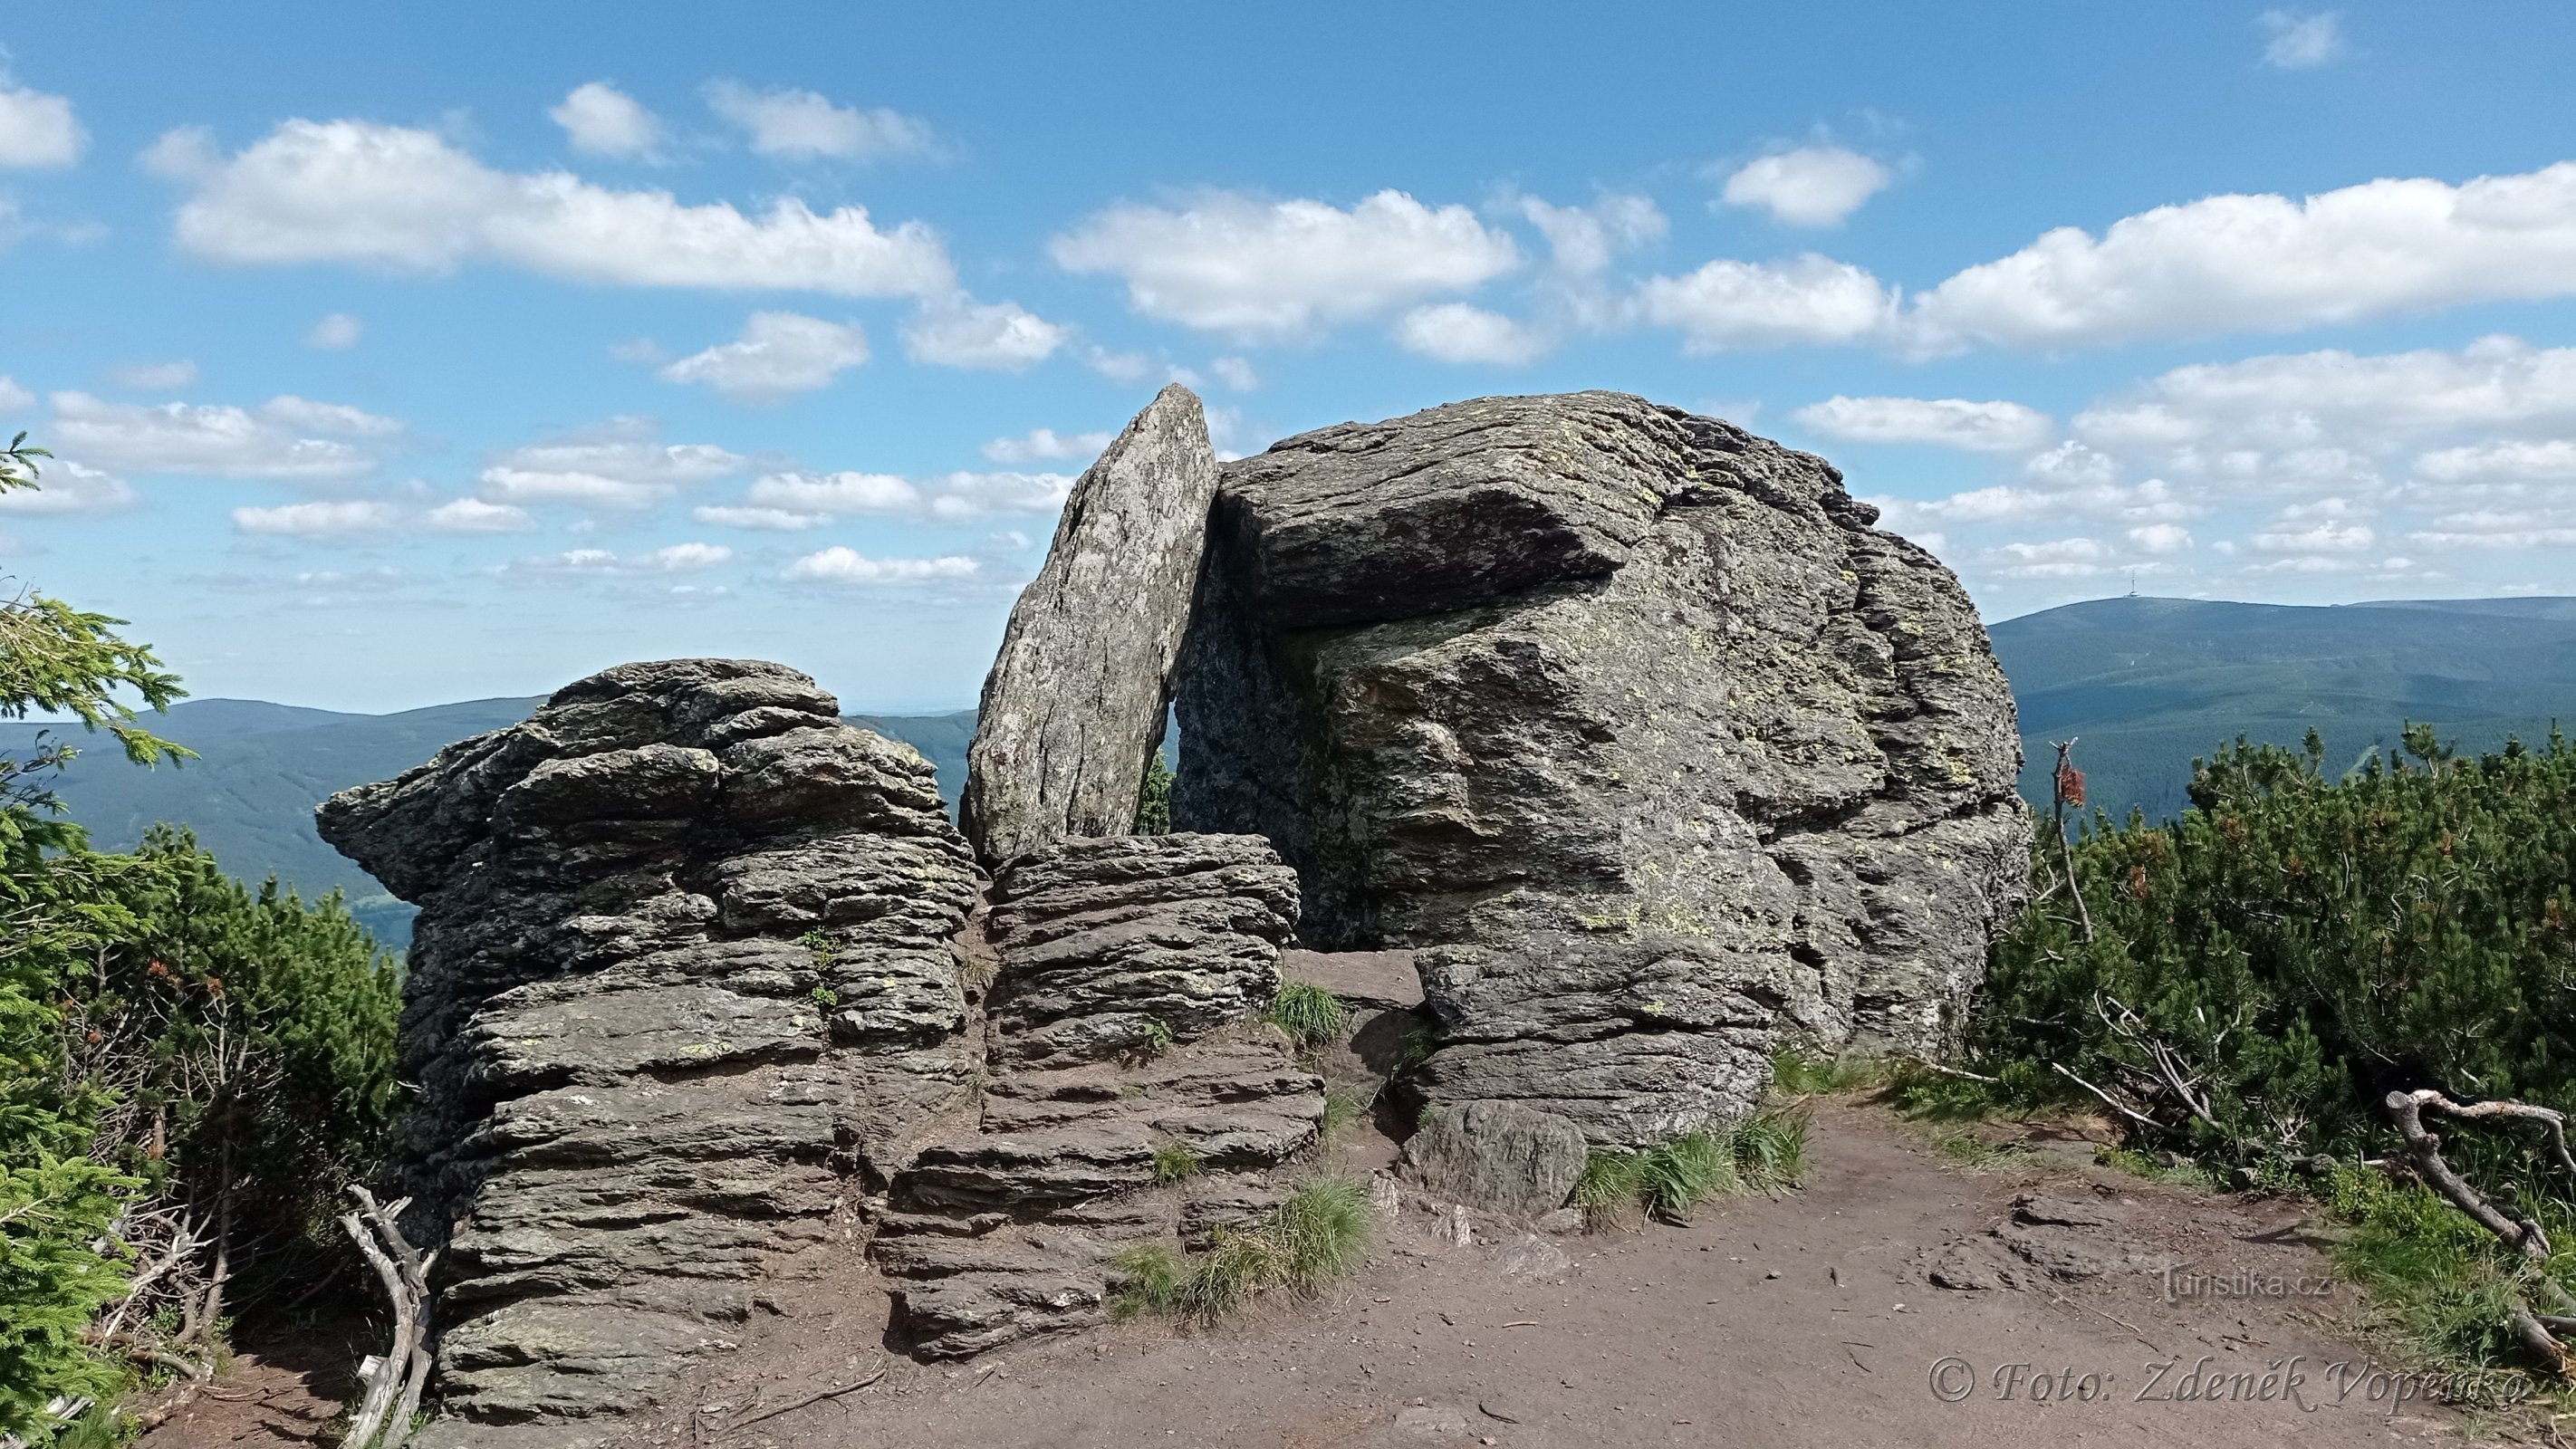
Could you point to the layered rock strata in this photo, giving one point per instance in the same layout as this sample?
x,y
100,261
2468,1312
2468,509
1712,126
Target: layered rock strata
x,y
1076,698
681,993
1628,723
1132,1098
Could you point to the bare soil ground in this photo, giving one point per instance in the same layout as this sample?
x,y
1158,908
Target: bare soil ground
x,y
1805,1319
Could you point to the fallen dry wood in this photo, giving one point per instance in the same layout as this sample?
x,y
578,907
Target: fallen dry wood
x,y
809,1400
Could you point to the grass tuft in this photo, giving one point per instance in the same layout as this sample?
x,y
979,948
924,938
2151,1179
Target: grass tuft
x,y
1766,1153
1309,1014
1175,1162
1344,1107
1800,1075
1319,1234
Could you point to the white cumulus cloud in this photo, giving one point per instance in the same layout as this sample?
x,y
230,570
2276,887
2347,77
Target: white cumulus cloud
x,y
768,520
38,130
951,497
473,515
218,441
66,487
2267,263
1978,427
1257,270
1811,186
779,354
619,464
842,565
1730,304
1040,445
14,398
1583,240
2549,460
1457,332
602,120
407,200
959,331
586,563
319,520
798,123
2313,399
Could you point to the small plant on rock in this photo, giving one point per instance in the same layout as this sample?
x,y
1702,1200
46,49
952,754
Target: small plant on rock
x,y
825,950
1153,1039
1309,1014
1175,1162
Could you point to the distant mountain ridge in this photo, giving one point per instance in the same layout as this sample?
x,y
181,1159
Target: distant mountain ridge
x,y
2145,685
262,768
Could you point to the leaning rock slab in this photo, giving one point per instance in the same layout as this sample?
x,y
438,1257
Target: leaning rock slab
x,y
1499,1156
681,998
1075,702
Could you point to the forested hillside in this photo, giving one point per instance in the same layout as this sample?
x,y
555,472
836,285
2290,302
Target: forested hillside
x,y
261,768
2149,685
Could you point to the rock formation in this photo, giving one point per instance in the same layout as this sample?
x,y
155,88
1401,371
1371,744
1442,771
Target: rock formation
x,y
681,993
1076,700
1628,723
1615,737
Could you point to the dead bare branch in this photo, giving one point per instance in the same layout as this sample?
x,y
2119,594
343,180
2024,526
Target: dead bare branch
x,y
395,1380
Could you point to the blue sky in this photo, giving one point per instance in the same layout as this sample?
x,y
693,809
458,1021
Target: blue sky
x,y
400,355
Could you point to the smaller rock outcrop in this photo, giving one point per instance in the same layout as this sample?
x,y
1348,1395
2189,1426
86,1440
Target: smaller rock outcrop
x,y
1076,699
681,995
1133,1096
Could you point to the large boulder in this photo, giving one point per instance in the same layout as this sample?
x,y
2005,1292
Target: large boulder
x,y
1075,702
682,998
1628,723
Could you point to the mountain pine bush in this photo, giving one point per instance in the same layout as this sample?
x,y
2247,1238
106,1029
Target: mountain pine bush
x,y
2257,975
189,1070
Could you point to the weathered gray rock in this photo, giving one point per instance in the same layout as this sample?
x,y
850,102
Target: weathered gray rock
x,y
1076,700
681,996
1628,723
1499,1156
1120,1038
1108,945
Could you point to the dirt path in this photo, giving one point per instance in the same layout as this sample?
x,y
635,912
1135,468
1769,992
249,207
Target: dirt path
x,y
1801,1320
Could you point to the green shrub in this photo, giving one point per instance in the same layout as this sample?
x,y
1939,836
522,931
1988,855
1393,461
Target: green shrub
x,y
2299,945
1319,1234
1309,1014
171,1043
1154,800
2242,986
